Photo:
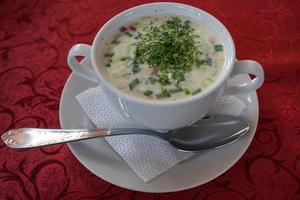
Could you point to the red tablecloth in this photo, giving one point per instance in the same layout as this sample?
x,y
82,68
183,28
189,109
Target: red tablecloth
x,y
35,37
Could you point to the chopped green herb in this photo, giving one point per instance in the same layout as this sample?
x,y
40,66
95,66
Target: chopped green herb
x,y
135,68
109,54
181,77
115,41
170,48
165,93
178,75
163,79
148,93
196,91
124,58
133,83
128,34
218,47
199,52
200,62
186,91
208,61
152,80
175,90
209,80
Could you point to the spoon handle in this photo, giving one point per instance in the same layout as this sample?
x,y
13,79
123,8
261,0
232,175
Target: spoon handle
x,y
35,137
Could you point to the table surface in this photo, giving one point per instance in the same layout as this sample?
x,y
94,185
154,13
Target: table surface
x,y
35,37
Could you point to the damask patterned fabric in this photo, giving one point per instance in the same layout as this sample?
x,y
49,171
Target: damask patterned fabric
x,y
35,37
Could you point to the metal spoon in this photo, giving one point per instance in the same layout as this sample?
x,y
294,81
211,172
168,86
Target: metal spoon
x,y
211,132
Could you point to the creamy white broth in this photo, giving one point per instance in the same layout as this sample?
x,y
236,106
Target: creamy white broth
x,y
120,51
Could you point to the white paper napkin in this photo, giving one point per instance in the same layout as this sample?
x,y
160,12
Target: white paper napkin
x,y
147,156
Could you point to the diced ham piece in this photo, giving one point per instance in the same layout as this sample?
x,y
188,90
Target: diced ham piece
x,y
122,88
132,28
212,39
153,71
123,29
127,76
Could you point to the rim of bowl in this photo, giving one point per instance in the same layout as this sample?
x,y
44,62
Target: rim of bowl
x,y
215,85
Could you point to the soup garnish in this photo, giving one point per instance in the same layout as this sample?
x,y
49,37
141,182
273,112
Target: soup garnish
x,y
163,57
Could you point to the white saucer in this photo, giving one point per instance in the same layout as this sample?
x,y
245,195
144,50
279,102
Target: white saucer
x,y
99,158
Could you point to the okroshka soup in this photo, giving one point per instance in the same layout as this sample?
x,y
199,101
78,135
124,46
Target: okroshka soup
x,y
163,57
163,65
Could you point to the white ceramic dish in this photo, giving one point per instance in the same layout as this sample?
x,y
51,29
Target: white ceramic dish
x,y
166,114
99,158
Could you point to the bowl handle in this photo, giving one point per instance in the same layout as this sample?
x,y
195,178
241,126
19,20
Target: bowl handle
x,y
77,67
246,67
